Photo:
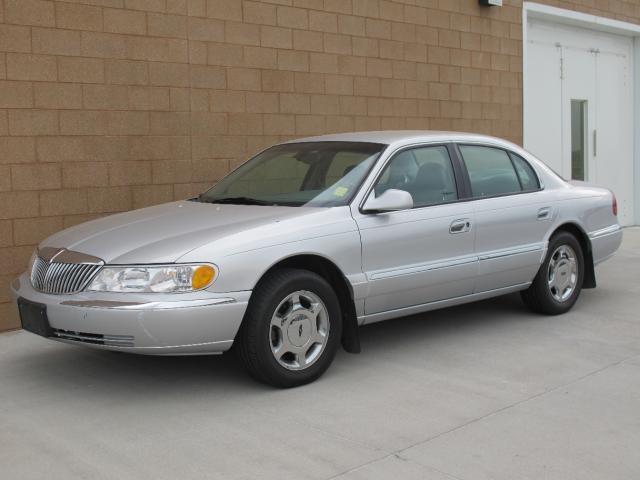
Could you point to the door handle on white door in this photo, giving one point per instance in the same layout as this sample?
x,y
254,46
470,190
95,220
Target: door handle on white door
x,y
460,226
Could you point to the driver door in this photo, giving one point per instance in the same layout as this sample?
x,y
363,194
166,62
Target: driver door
x,y
424,254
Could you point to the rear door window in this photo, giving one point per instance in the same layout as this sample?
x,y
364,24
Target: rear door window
x,y
490,171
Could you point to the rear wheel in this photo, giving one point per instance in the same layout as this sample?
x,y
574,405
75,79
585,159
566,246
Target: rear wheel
x,y
558,283
291,330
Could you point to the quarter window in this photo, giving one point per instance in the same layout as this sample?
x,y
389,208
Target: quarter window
x,y
490,171
526,174
425,172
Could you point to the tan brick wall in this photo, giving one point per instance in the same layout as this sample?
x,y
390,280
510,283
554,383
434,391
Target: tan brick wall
x,y
108,105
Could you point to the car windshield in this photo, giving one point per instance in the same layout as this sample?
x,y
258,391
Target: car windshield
x,y
319,174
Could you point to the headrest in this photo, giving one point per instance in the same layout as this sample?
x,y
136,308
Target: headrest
x,y
431,176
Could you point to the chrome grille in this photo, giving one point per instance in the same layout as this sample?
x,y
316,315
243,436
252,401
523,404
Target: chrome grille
x,y
61,271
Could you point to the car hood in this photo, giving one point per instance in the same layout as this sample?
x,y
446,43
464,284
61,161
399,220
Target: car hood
x,y
164,233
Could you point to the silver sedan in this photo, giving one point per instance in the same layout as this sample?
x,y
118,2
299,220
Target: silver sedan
x,y
290,253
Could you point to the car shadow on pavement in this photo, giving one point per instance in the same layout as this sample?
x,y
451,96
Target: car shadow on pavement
x,y
77,367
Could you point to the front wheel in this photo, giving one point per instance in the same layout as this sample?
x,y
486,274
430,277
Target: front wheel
x,y
291,329
556,287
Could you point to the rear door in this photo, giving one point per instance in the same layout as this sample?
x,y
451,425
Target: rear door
x,y
513,213
424,254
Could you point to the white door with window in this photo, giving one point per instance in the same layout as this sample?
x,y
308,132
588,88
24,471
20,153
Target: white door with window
x,y
579,106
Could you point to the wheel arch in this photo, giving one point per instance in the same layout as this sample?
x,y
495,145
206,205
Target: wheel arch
x,y
328,270
585,243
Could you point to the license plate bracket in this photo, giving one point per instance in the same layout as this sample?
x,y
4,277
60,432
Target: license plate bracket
x,y
33,317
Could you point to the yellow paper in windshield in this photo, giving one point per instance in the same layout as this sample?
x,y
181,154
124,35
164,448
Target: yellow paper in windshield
x,y
340,191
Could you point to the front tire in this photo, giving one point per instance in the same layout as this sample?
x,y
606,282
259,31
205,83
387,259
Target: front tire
x,y
291,330
557,286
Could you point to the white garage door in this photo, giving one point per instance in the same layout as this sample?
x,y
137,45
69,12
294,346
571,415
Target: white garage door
x,y
579,106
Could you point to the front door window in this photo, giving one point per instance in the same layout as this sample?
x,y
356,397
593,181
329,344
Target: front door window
x,y
425,172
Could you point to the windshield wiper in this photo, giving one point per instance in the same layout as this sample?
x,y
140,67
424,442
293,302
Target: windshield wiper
x,y
236,201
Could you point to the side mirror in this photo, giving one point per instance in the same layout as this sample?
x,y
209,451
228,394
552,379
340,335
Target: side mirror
x,y
391,200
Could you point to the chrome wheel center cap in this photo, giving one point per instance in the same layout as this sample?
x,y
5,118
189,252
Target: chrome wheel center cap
x,y
564,273
299,331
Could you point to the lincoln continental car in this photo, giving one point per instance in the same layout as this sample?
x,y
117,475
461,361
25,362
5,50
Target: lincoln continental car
x,y
290,253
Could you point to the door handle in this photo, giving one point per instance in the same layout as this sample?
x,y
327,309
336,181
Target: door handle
x,y
460,226
544,213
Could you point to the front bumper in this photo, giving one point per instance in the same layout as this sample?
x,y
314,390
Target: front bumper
x,y
173,324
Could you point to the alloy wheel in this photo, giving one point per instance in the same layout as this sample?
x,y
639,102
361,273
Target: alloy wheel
x,y
562,275
299,330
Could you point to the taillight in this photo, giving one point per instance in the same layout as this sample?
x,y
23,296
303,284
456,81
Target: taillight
x,y
614,204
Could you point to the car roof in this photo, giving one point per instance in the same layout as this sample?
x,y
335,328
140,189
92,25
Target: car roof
x,y
405,137
401,138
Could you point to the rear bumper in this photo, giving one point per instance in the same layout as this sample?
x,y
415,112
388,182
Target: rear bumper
x,y
178,324
605,242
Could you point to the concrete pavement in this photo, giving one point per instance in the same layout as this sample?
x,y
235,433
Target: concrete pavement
x,y
483,391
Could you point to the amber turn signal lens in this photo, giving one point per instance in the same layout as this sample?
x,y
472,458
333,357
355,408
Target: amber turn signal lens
x,y
202,277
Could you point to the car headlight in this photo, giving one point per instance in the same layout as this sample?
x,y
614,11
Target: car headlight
x,y
154,278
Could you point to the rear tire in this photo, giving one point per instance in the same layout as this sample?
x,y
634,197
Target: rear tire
x,y
557,286
291,330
